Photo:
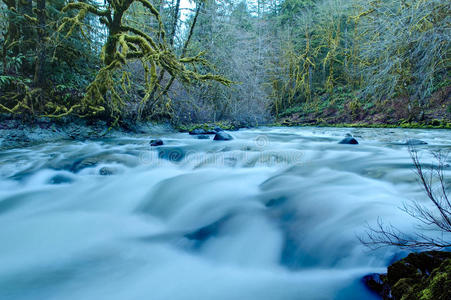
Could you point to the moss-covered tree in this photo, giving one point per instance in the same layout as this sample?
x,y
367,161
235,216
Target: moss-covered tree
x,y
126,43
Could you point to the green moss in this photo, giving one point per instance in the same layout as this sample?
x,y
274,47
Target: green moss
x,y
403,289
409,278
322,123
425,294
206,126
435,122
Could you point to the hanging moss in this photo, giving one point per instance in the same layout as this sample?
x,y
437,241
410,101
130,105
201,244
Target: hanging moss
x,y
126,43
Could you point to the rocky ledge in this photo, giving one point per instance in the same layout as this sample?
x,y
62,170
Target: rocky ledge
x,y
425,276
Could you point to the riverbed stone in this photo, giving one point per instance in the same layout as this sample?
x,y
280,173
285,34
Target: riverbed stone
x,y
156,143
203,137
222,136
349,140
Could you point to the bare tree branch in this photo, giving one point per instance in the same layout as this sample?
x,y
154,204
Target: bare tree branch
x,y
436,218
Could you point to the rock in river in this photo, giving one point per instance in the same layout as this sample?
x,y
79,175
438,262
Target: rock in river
x,y
415,142
222,136
349,139
107,171
155,143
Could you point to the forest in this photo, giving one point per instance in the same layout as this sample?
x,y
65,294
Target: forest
x,y
248,62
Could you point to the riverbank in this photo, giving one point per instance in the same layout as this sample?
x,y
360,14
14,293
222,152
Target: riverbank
x,y
411,125
346,109
16,133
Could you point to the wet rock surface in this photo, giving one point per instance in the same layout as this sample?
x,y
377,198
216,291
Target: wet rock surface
x,y
425,275
222,136
155,143
349,139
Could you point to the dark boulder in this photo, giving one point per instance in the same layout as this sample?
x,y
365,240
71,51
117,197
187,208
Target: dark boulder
x,y
155,143
218,129
349,140
222,136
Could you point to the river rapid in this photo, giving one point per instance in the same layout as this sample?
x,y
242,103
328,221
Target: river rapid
x,y
273,214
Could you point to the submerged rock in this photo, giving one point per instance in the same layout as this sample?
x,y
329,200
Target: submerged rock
x,y
174,154
83,163
155,143
222,136
203,137
415,142
349,139
107,171
60,179
425,275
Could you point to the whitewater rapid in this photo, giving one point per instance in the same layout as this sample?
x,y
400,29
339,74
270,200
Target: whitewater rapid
x,y
273,214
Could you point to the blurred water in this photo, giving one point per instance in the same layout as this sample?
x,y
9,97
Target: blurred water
x,y
272,214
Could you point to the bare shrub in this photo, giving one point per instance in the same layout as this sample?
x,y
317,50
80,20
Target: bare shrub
x,y
433,218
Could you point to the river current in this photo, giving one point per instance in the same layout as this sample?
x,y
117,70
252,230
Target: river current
x,y
273,214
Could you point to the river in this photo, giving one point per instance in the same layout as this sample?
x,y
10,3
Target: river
x,y
273,214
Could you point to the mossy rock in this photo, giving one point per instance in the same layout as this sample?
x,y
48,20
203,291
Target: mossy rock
x,y
405,289
425,276
438,285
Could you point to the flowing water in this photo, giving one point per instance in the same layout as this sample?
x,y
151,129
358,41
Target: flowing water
x,y
273,214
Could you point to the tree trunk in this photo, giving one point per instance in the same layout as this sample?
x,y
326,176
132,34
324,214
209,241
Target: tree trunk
x,y
25,7
39,75
175,21
12,34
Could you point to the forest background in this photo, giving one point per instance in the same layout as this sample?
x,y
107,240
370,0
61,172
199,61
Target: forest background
x,y
247,63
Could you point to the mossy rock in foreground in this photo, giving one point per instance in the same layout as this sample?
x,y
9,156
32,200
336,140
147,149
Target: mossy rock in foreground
x,y
423,276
